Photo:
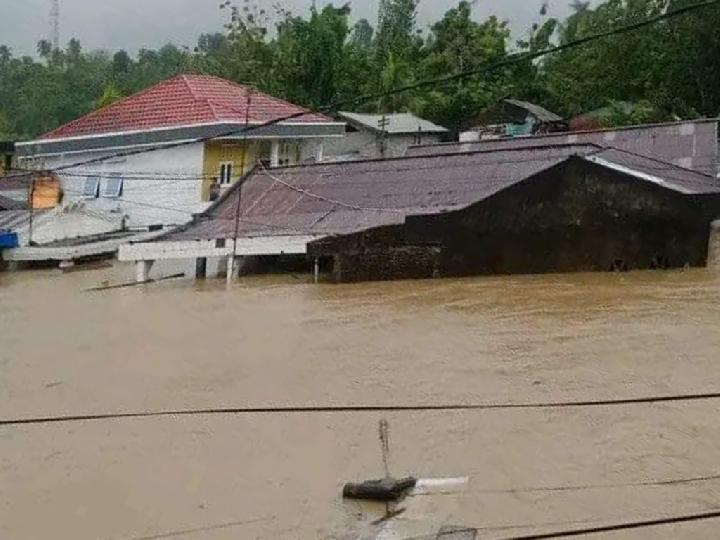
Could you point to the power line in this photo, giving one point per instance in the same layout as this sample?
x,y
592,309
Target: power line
x,y
629,525
511,60
209,528
335,202
366,409
596,487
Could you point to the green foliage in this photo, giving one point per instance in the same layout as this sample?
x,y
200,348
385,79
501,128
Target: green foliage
x,y
110,95
669,70
459,43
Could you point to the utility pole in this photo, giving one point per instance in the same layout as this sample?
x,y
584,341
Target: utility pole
x,y
55,24
383,124
243,161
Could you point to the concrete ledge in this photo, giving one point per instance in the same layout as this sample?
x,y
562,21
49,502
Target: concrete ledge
x,y
71,252
193,249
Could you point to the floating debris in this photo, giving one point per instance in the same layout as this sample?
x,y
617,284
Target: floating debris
x,y
387,489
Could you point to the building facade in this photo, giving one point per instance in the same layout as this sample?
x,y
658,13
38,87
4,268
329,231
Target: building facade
x,y
372,136
161,155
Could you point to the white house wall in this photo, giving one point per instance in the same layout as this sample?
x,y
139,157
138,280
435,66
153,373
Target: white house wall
x,y
364,144
171,199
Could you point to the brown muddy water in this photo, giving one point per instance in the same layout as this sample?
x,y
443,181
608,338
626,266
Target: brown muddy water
x,y
281,341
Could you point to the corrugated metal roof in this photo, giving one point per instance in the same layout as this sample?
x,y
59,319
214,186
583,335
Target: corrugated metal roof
x,y
12,219
691,144
15,181
668,175
184,100
7,203
397,124
342,198
541,113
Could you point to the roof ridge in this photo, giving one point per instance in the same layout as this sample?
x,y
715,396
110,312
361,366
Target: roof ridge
x,y
715,119
658,160
275,99
448,154
184,77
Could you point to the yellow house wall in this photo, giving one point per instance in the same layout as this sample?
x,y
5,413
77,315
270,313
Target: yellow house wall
x,y
222,152
218,152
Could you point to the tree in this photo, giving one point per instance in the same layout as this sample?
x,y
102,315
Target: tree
x,y
362,34
44,48
459,43
666,70
396,33
310,55
121,63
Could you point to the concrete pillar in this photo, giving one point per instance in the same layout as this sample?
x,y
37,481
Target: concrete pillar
x,y
230,269
317,270
714,246
142,269
275,153
201,268
320,152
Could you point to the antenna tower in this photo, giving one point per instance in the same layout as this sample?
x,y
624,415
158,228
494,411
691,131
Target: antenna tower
x,y
55,23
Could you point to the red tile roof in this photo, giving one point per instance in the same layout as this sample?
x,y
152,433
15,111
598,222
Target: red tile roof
x,y
185,100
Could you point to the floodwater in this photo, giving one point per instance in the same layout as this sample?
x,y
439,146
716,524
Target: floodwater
x,y
281,341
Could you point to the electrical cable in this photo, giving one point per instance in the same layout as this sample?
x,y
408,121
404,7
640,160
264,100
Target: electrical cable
x,y
510,60
366,409
335,202
628,525
596,487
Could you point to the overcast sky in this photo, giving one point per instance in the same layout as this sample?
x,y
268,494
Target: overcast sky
x,y
133,24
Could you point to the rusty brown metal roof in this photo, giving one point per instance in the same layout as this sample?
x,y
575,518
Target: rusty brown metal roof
x,y
690,144
341,198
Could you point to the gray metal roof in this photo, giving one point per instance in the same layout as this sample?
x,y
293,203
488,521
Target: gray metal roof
x,y
537,111
341,198
398,123
6,203
15,181
12,219
691,144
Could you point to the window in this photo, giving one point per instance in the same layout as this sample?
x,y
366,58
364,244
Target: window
x,y
289,154
91,187
112,186
226,170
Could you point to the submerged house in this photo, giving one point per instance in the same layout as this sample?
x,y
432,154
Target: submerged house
x,y
159,156
370,136
537,208
513,118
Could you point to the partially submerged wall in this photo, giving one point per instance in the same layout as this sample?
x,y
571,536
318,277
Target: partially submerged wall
x,y
575,217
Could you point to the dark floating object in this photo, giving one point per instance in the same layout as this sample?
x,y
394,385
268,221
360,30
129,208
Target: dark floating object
x,y
387,489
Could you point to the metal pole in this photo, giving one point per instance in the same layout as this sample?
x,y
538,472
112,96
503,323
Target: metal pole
x,y
317,270
31,197
231,262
